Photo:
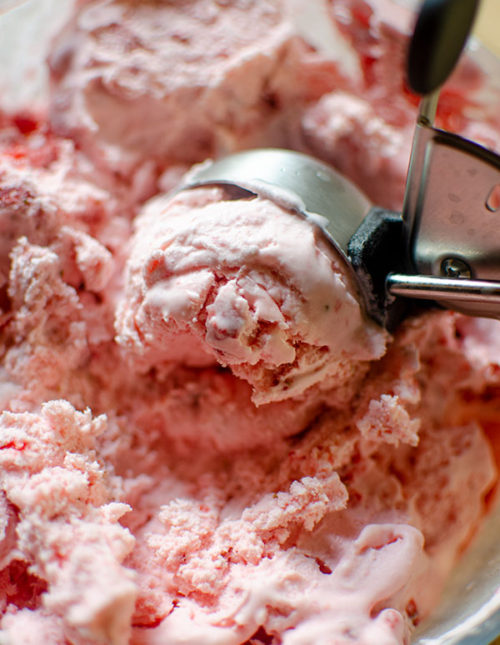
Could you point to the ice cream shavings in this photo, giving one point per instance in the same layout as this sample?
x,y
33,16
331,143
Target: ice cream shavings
x,y
66,529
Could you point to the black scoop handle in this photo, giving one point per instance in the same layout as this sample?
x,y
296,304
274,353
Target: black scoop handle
x,y
440,33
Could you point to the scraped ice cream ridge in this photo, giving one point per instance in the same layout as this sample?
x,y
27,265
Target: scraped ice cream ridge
x,y
203,438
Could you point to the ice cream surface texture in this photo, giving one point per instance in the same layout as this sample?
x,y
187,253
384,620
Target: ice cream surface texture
x,y
203,438
251,283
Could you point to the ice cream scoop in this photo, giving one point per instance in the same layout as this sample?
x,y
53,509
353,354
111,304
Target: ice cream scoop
x,y
443,247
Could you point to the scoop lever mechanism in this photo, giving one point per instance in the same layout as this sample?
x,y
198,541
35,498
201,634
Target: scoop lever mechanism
x,y
450,219
453,184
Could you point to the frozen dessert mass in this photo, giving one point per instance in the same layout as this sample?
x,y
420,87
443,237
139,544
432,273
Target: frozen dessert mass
x,y
204,440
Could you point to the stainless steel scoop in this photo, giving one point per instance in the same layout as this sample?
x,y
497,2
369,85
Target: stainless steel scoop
x,y
444,248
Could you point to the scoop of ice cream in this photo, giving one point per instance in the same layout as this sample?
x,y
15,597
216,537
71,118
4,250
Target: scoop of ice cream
x,y
187,78
248,283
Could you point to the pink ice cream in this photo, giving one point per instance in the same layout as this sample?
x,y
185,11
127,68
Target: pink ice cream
x,y
203,438
189,80
248,284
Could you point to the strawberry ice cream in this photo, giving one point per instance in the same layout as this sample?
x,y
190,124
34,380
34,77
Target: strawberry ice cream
x,y
189,80
249,283
203,437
